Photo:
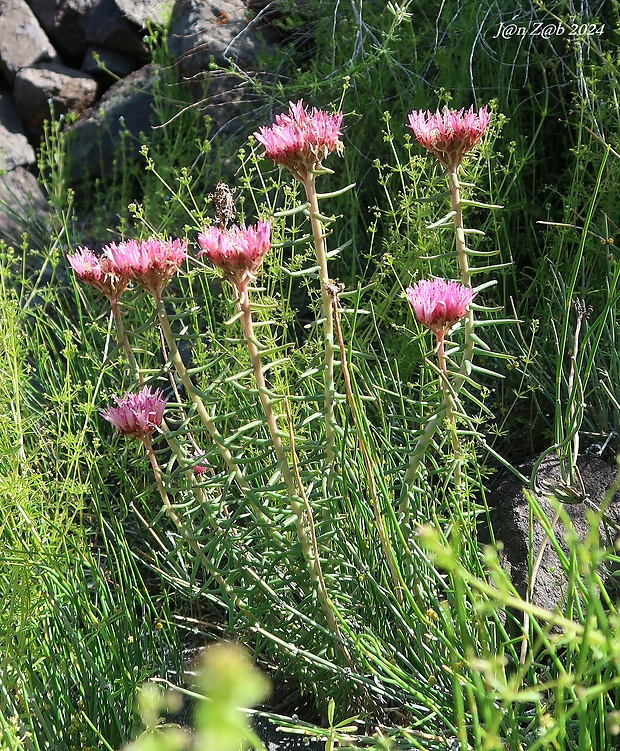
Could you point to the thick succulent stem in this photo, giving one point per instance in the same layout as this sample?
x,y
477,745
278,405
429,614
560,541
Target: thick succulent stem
x,y
461,251
328,322
297,499
206,418
272,424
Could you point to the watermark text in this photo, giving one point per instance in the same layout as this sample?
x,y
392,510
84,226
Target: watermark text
x,y
547,29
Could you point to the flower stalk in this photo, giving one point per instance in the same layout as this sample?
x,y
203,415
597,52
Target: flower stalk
x,y
397,582
448,400
206,418
461,251
297,499
123,340
300,140
318,235
439,305
186,531
448,135
239,252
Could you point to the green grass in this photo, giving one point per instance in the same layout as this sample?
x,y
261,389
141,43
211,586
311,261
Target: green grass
x,y
421,633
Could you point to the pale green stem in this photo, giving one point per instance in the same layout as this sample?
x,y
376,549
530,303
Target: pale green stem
x,y
581,311
459,229
272,423
328,323
448,401
418,454
322,592
187,533
207,563
204,415
309,550
123,339
461,251
175,446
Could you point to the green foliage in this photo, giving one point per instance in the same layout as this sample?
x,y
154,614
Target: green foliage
x,y
420,631
80,626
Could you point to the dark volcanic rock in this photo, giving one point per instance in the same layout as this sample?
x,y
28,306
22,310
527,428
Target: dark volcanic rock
x,y
117,64
23,208
139,12
94,141
65,22
202,32
108,26
511,523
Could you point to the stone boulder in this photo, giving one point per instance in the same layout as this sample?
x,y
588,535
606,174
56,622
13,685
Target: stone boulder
x,y
510,518
67,89
142,12
15,151
115,65
108,27
94,140
64,21
202,33
22,40
23,209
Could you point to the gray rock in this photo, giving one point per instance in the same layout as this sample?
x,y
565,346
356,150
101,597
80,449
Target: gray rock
x,y
201,32
117,64
64,21
94,140
15,151
139,12
35,87
227,104
23,209
22,40
510,519
107,26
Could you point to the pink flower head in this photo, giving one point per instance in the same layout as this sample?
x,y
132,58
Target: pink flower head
x,y
137,415
439,304
98,272
301,139
238,251
450,134
151,263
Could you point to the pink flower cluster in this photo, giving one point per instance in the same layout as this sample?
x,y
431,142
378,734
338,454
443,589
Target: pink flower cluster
x,y
450,134
301,139
439,304
237,251
99,272
137,415
151,263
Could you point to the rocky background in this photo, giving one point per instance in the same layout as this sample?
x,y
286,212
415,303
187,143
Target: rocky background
x,y
51,58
